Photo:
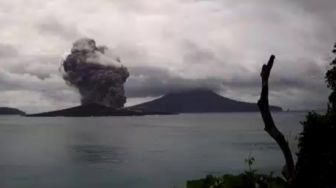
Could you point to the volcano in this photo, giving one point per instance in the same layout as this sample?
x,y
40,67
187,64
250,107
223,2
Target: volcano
x,y
198,101
95,110
192,101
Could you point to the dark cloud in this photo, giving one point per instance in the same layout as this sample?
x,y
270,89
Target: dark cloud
x,y
305,90
173,45
41,67
53,26
98,76
7,51
195,54
153,82
318,7
32,94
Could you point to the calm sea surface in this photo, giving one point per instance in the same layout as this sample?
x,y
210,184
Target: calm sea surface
x,y
136,152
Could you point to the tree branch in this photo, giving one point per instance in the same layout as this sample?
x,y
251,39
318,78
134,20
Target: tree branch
x,y
270,127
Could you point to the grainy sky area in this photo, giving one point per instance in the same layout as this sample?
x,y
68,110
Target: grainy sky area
x,y
169,45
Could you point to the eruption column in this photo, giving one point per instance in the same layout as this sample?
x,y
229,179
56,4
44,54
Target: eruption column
x,y
96,73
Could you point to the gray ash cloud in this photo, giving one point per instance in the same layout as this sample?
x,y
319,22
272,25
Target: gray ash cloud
x,y
96,73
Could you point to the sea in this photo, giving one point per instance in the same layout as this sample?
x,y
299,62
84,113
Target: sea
x,y
137,152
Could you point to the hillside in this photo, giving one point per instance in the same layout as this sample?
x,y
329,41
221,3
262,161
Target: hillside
x,y
198,101
95,110
10,111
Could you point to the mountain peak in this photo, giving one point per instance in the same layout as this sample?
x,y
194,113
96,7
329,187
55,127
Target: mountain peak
x,y
200,92
197,101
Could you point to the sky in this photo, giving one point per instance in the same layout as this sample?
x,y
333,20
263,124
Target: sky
x,y
169,46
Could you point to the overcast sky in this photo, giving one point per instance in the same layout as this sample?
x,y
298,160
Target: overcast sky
x,y
169,45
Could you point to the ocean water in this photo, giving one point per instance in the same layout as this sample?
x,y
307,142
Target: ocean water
x,y
136,152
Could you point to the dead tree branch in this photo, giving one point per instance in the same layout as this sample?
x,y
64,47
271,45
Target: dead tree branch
x,y
270,127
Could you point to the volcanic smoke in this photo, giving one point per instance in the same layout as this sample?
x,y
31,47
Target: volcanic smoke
x,y
96,73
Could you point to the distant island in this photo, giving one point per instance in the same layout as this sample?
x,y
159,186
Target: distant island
x,y
192,101
95,110
10,111
198,101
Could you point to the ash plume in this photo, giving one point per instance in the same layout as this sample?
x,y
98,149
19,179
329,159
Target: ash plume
x,y
96,74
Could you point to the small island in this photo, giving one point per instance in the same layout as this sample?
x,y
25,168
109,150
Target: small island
x,y
95,110
11,111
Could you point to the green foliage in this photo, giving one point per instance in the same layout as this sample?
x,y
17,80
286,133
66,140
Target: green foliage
x,y
250,161
316,165
331,82
249,179
331,73
238,181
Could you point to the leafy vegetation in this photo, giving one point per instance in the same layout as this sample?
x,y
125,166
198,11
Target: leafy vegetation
x,y
248,179
238,181
316,163
331,82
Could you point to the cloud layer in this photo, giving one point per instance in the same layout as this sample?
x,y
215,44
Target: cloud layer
x,y
170,45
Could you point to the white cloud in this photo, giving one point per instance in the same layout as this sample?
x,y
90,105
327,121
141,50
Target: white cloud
x,y
193,40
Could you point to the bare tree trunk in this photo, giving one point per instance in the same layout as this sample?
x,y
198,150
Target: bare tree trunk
x,y
270,127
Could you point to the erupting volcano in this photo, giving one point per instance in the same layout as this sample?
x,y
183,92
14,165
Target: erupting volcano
x,y
96,73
